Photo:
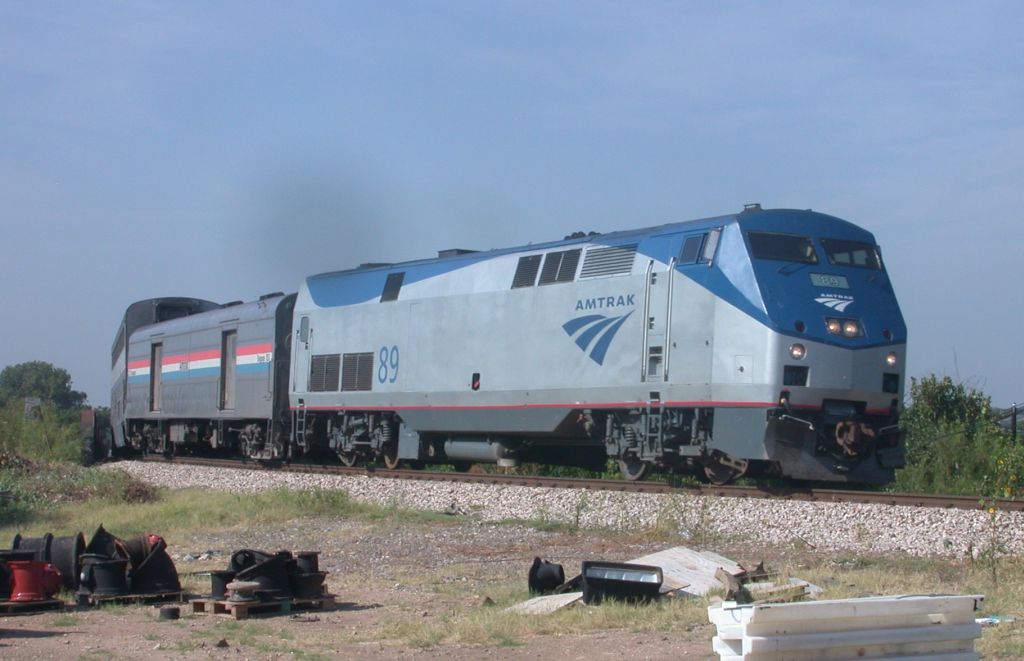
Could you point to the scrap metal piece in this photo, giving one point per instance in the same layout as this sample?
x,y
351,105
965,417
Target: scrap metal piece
x,y
620,580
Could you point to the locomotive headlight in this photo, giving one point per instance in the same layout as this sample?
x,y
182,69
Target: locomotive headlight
x,y
797,351
851,329
891,359
834,326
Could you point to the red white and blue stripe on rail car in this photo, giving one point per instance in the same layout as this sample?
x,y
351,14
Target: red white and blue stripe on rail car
x,y
249,359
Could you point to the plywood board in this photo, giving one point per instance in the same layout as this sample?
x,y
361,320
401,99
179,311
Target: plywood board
x,y
689,571
546,604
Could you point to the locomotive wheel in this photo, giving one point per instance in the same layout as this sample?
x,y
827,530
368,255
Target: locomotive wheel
x,y
348,458
390,454
633,469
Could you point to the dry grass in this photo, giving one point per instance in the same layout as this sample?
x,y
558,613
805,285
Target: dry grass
x,y
491,625
455,616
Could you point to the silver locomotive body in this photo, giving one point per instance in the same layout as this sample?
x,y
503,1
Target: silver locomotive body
x,y
709,345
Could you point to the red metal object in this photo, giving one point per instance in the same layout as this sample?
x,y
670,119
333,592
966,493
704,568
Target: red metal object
x,y
33,580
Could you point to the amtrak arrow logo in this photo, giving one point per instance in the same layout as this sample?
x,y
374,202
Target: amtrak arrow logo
x,y
836,303
594,333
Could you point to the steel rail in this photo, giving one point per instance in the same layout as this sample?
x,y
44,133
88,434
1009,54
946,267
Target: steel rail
x,y
796,493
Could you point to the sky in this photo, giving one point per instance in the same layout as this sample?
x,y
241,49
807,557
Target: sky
x,y
225,150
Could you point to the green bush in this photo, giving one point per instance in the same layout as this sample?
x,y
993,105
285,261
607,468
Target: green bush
x,y
36,486
953,444
45,433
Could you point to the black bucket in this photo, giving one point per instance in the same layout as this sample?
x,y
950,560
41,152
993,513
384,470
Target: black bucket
x,y
307,585
65,554
41,545
109,578
544,576
86,579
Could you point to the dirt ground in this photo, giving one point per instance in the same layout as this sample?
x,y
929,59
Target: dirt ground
x,y
391,581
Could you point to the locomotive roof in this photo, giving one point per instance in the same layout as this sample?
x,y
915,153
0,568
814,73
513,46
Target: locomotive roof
x,y
753,217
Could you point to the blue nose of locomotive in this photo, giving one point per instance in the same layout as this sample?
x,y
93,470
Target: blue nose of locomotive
x,y
823,279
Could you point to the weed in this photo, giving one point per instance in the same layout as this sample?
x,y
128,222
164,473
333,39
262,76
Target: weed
x,y
64,620
994,546
579,509
699,528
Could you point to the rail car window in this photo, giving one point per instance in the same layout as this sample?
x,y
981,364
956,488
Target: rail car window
x,y
526,271
710,246
357,371
228,346
782,247
691,249
560,266
392,286
156,359
851,253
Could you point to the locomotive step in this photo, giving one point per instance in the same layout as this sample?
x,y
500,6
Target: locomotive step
x,y
146,598
28,607
241,610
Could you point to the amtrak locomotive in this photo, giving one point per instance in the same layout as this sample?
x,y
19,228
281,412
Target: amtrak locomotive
x,y
767,342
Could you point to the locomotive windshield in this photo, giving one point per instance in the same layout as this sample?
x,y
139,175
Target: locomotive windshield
x,y
782,247
852,253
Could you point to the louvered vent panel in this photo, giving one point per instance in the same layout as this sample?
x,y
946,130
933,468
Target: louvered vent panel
x,y
324,372
612,260
357,371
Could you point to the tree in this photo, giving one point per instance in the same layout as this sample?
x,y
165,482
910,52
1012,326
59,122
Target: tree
x,y
39,379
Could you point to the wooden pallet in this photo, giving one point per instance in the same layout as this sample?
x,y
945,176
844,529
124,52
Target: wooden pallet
x,y
241,610
26,607
147,598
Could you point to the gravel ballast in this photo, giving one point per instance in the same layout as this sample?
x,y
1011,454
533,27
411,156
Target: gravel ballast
x,y
852,527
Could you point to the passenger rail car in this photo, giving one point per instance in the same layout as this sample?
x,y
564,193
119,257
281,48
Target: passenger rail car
x,y
199,374
767,342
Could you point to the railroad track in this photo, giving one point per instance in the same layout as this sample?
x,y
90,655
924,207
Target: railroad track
x,y
727,491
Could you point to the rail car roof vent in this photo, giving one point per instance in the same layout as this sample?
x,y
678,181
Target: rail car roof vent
x,y
455,252
272,294
608,260
231,304
753,207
